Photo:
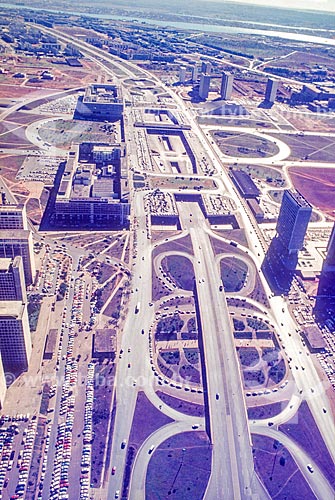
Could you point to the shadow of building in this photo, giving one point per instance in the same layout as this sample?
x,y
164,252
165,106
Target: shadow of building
x,y
324,309
278,267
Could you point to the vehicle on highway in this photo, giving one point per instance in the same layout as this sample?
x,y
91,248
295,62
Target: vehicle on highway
x,y
123,444
113,470
151,449
310,468
217,396
117,494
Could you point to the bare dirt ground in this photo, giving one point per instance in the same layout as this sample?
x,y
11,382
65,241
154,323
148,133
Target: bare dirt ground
x,y
317,185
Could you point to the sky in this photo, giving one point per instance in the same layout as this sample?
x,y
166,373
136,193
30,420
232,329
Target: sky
x,y
327,5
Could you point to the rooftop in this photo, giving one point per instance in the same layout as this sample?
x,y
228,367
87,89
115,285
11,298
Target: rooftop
x,y
5,263
13,308
299,199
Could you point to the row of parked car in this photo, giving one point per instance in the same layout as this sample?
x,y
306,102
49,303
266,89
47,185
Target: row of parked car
x,y
87,433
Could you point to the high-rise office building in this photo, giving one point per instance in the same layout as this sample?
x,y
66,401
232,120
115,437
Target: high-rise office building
x,y
12,282
15,338
12,214
195,73
329,263
206,67
205,82
15,237
295,213
271,90
227,85
19,242
182,74
13,217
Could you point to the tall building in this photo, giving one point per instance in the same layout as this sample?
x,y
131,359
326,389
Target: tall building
x,y
12,283
227,85
293,219
206,67
15,237
195,73
19,242
329,264
13,217
182,74
271,90
15,338
205,82
12,214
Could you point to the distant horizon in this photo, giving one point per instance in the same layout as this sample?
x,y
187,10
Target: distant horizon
x,y
295,5
316,5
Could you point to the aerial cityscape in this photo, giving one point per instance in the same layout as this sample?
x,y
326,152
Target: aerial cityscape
x,y
167,251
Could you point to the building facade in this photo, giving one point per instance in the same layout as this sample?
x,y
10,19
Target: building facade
x,y
12,282
15,338
20,242
226,85
271,90
295,213
205,81
182,74
101,101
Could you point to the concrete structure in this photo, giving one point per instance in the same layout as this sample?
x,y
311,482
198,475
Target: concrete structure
x,y
12,283
329,264
88,195
15,237
50,345
271,90
19,242
206,67
15,339
244,184
103,154
12,214
182,74
195,73
314,339
104,344
205,82
101,101
227,85
256,209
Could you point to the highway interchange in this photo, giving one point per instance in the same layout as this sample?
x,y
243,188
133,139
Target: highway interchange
x,y
233,474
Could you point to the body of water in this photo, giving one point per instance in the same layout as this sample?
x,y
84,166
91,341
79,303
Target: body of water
x,y
202,27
